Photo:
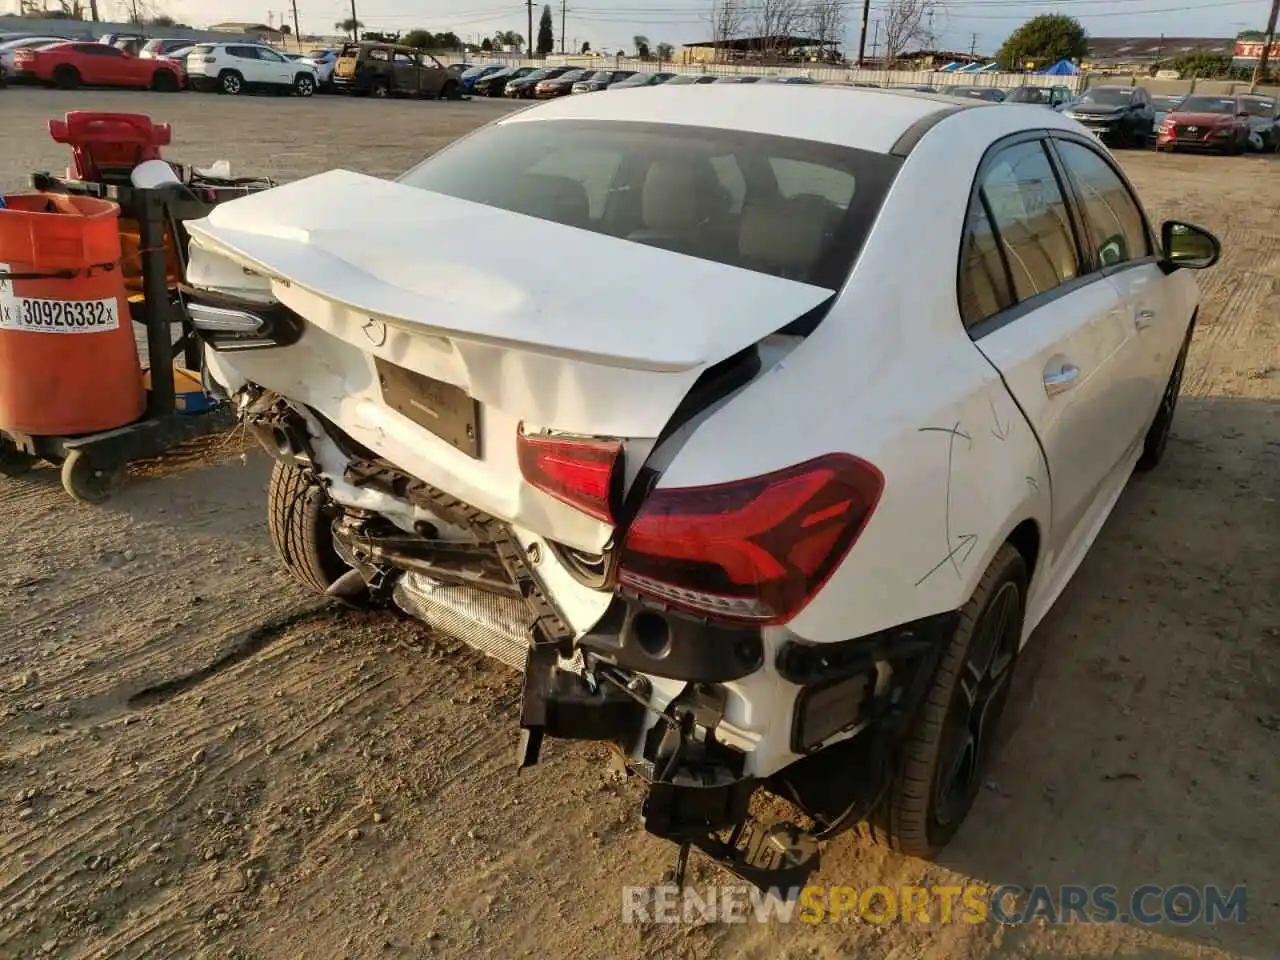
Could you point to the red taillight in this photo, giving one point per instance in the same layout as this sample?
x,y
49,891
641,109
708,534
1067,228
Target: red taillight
x,y
753,550
578,471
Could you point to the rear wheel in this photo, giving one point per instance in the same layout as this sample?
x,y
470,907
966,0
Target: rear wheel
x,y
450,90
300,518
381,89
230,83
66,77
1158,435
14,462
304,85
88,482
164,81
946,753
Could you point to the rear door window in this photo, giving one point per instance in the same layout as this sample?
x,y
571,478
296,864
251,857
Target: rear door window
x,y
1114,228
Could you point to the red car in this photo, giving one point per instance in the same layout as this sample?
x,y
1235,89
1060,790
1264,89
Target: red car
x,y
1205,122
68,65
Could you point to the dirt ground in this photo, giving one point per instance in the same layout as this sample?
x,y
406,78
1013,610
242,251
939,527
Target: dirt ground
x,y
196,759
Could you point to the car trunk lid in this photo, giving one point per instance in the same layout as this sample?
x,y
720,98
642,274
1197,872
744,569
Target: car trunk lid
x,y
535,322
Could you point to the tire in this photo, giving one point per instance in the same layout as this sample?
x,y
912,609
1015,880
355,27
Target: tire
x,y
14,462
300,517
304,85
163,81
66,77
380,89
88,483
450,91
943,763
231,83
1158,434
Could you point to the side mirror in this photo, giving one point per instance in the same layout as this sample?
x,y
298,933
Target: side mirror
x,y
1186,245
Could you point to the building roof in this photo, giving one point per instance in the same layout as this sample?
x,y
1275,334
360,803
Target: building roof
x,y
1150,49
235,26
756,43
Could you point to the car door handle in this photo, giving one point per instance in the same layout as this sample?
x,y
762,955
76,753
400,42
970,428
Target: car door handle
x,y
1144,318
1061,379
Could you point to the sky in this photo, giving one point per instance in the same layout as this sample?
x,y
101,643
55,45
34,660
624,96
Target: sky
x,y
611,24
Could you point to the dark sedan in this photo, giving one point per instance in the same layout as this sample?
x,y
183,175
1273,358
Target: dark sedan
x,y
684,79
560,85
600,80
642,80
738,79
990,94
1122,116
523,89
495,84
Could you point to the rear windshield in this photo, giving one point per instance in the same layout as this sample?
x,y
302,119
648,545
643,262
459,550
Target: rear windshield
x,y
1208,105
1259,108
1029,95
1165,103
791,208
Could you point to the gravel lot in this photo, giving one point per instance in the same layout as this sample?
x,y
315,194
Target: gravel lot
x,y
197,760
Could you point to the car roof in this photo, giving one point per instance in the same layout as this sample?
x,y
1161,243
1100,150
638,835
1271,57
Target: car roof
x,y
851,117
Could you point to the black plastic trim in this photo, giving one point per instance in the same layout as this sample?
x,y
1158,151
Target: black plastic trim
x,y
636,636
806,664
907,141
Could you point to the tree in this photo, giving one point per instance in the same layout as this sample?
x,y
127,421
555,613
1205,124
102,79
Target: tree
x,y
486,45
509,38
664,51
586,47
726,25
826,22
641,43
776,21
285,29
448,41
137,12
419,39
1049,37
546,32
907,22
350,26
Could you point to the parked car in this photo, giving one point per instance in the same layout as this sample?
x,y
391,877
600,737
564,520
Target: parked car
x,y
524,88
684,79
989,94
390,70
1044,96
323,61
778,592
70,65
467,79
163,46
738,78
179,57
1161,104
1264,124
236,68
1205,122
1120,116
495,85
600,80
918,87
10,47
645,80
560,85
799,80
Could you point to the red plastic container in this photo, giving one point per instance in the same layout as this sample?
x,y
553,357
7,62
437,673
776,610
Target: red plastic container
x,y
107,146
68,361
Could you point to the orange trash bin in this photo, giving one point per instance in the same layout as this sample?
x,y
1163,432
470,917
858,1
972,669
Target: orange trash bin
x,y
68,361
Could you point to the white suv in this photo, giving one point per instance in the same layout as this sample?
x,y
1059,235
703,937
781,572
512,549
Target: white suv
x,y
234,68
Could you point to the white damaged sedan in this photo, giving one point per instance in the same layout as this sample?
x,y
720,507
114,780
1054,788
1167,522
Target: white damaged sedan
x,y
758,426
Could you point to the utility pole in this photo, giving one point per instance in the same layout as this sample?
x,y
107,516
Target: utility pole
x,y
355,23
875,44
973,44
563,8
1260,68
297,32
528,40
862,34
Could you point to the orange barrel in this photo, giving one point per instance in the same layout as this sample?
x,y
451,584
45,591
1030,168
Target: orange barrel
x,y
68,362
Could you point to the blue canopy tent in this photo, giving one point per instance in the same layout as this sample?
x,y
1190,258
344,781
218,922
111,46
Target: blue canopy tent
x,y
1063,68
